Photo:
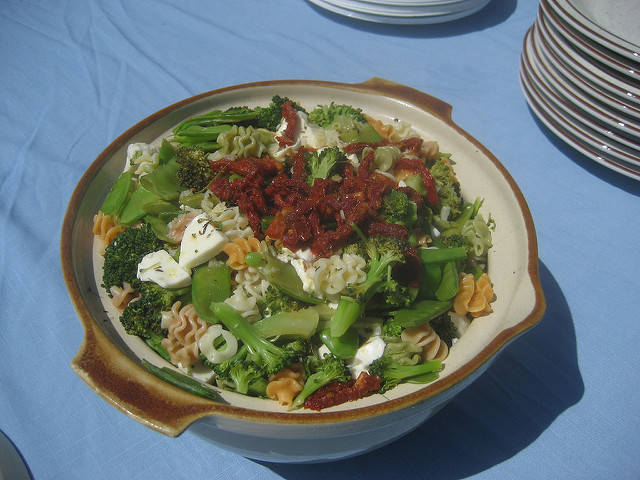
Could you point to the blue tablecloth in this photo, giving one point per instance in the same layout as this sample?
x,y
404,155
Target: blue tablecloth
x,y
562,401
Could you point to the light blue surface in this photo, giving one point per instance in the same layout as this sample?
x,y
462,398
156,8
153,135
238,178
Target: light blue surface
x,y
562,401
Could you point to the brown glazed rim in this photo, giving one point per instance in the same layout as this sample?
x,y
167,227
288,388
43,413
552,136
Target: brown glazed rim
x,y
167,409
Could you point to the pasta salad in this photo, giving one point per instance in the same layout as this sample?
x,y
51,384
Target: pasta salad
x,y
312,257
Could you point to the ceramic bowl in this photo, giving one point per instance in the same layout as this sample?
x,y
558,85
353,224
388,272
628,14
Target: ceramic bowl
x,y
109,360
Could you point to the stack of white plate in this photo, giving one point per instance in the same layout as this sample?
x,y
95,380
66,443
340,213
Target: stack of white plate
x,y
580,72
403,12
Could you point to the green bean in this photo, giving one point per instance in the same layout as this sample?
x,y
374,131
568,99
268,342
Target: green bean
x,y
448,287
181,381
117,195
430,256
420,312
431,278
163,181
344,346
132,211
167,152
210,284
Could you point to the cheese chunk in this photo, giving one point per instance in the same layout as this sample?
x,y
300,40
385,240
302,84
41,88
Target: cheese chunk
x,y
372,350
159,267
201,242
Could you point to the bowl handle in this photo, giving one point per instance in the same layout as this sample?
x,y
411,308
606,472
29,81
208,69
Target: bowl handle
x,y
132,389
423,100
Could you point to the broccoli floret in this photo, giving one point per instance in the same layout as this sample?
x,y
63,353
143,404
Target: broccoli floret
x,y
330,369
325,163
270,117
391,328
142,317
240,373
194,171
383,253
448,194
398,208
267,356
276,301
122,255
445,328
326,115
393,373
348,121
455,240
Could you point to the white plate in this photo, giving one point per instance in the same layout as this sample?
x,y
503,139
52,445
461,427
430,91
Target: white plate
x,y
596,76
625,148
626,125
582,88
573,39
406,11
412,20
573,137
598,19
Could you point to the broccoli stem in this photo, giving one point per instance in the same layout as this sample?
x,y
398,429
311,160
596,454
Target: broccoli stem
x,y
272,356
300,323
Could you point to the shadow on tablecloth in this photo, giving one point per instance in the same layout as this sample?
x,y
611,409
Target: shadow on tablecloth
x,y
530,384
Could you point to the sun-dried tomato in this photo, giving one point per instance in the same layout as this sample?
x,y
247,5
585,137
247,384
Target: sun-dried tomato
x,y
419,168
291,117
337,393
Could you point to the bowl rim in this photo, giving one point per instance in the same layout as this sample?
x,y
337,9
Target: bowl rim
x,y
141,395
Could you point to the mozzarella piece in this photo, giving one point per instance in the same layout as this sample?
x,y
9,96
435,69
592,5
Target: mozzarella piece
x,y
372,350
201,242
159,267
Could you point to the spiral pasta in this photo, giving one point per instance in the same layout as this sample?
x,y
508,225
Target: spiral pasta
x,y
253,282
142,158
243,142
233,223
285,385
392,132
474,296
237,250
185,330
245,304
106,229
332,275
479,235
122,296
433,348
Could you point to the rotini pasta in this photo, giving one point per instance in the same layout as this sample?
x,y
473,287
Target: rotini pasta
x,y
106,229
285,385
433,348
142,158
233,223
122,296
479,234
237,251
474,296
185,330
244,304
332,275
392,132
